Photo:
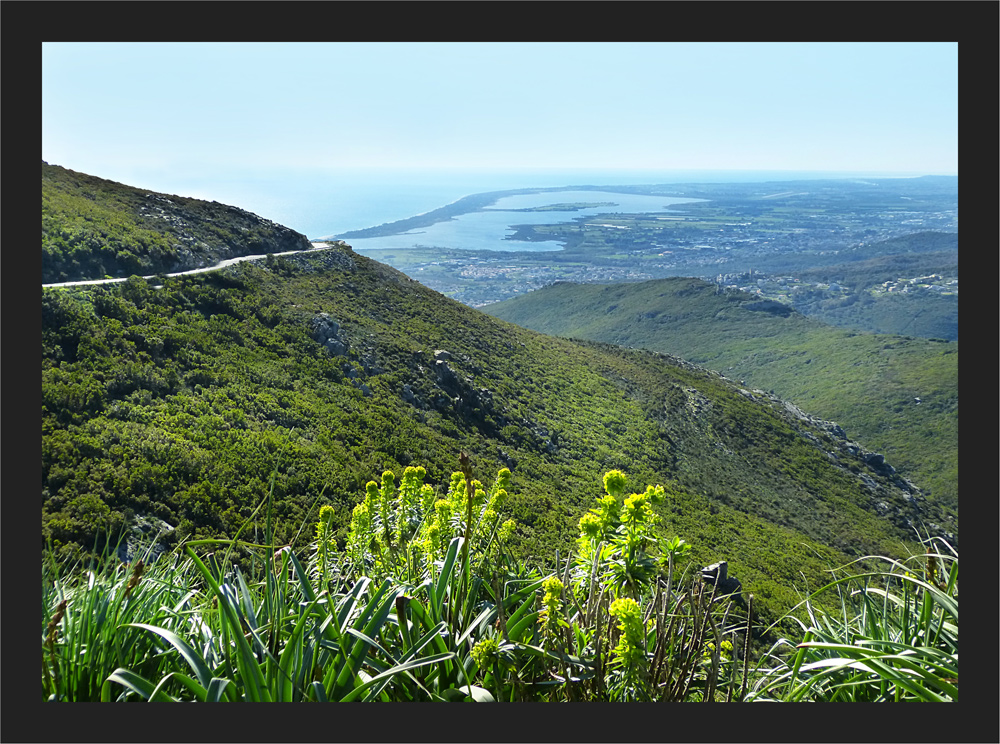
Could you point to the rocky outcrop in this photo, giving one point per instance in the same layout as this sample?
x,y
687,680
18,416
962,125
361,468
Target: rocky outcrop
x,y
892,495
327,332
191,224
339,256
474,404
143,540
124,230
717,575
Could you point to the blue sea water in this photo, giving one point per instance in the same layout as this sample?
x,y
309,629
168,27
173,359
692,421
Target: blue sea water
x,y
325,203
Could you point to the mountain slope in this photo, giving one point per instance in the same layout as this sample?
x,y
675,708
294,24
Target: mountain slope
x,y
92,227
895,394
305,376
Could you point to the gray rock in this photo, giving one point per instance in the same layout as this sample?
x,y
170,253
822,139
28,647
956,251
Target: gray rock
x,y
877,463
717,575
326,331
445,374
143,540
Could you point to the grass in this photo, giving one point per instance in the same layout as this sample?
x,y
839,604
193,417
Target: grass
x,y
425,604
895,639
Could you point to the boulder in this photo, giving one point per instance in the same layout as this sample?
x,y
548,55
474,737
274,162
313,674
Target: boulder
x,y
877,463
143,540
718,575
326,331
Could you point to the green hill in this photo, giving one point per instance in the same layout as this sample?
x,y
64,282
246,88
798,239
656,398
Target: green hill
x,y
92,227
189,399
897,395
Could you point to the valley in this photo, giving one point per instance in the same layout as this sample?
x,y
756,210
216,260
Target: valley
x,y
898,394
184,400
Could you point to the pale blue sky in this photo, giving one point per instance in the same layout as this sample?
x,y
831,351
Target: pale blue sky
x,y
152,114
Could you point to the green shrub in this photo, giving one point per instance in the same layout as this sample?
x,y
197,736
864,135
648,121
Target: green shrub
x,y
423,604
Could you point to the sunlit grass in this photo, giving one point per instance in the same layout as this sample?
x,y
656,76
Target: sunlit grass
x,y
426,603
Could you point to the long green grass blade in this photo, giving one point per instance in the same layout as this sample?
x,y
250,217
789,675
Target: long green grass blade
x,y
191,684
516,632
484,617
140,685
398,669
373,616
292,652
193,659
444,578
216,688
303,577
253,679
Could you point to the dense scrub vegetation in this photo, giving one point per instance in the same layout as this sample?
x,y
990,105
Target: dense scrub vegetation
x,y
897,395
92,227
925,315
184,403
426,603
236,417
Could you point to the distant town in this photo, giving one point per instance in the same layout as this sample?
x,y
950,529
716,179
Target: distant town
x,y
786,288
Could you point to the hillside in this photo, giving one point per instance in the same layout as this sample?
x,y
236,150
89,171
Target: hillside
x,y
897,395
92,227
181,403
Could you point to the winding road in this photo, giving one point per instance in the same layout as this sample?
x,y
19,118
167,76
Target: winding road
x,y
220,265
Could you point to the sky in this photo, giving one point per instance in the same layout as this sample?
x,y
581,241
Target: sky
x,y
191,117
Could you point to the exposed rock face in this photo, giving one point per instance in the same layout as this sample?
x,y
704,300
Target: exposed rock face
x,y
877,463
475,405
905,507
326,331
144,540
339,256
189,221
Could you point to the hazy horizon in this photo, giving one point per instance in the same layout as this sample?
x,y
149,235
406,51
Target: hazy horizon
x,y
264,125
322,203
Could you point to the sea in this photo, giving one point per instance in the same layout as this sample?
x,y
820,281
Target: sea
x,y
324,203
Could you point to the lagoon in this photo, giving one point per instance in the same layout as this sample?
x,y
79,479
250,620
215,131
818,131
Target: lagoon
x,y
490,229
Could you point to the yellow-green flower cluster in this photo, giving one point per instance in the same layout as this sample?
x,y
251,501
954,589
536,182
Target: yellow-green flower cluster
x,y
409,497
607,511
638,510
725,650
614,483
506,530
551,603
426,497
432,541
442,515
324,527
632,642
403,529
484,652
360,531
591,525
